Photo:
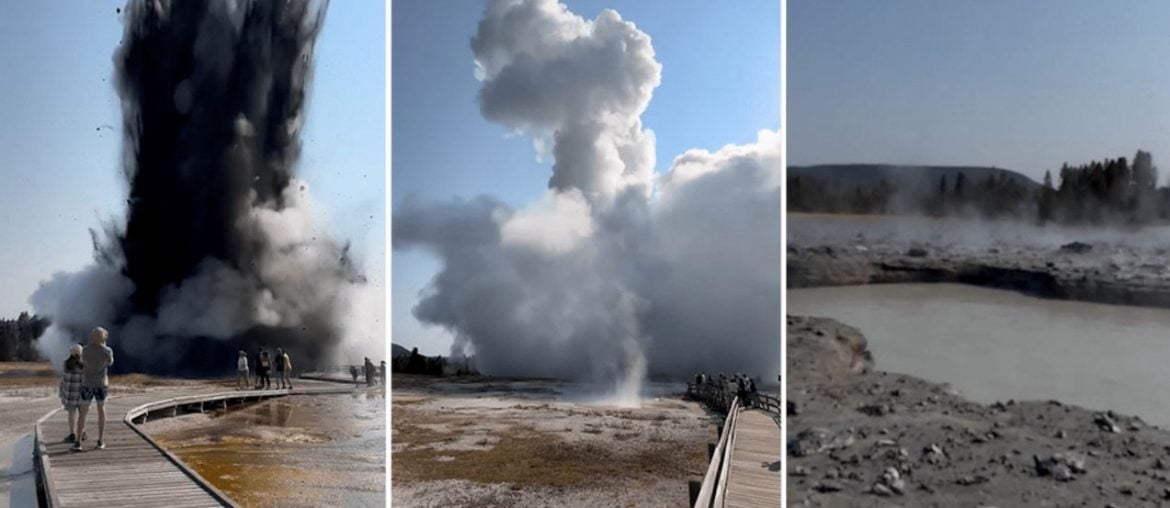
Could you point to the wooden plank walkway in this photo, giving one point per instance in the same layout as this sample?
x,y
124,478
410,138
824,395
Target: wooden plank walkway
x,y
754,480
131,471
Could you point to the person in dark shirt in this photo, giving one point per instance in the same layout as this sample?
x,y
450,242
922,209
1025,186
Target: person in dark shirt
x,y
262,369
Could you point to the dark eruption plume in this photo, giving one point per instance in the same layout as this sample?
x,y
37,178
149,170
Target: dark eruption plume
x,y
219,250
211,117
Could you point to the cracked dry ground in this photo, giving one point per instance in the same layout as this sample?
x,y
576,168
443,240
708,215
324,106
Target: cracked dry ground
x,y
863,437
491,442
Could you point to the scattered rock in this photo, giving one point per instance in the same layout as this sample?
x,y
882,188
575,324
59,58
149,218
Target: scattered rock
x,y
881,490
972,480
876,409
1106,423
819,439
933,454
916,252
975,455
825,487
1076,247
1060,466
889,483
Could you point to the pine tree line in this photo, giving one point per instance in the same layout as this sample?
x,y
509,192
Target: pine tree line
x,y
1112,191
18,337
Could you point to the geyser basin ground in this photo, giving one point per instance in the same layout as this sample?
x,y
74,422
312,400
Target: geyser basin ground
x,y
854,425
499,442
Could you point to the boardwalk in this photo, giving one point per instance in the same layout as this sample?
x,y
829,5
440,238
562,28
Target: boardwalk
x,y
131,471
744,471
755,479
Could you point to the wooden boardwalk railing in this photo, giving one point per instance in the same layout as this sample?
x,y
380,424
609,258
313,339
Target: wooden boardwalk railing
x,y
745,465
134,470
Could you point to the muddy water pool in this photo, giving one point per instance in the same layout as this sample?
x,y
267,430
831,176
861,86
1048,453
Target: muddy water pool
x,y
997,345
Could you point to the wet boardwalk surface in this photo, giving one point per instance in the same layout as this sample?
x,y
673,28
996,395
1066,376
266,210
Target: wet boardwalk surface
x,y
131,471
754,479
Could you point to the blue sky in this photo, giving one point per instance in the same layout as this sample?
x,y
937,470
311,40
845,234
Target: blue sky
x,y
1021,85
59,174
720,85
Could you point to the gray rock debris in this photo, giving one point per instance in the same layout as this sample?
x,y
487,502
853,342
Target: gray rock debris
x,y
1106,423
819,439
889,483
1063,467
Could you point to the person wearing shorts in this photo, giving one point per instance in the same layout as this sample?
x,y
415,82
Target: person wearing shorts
x,y
97,358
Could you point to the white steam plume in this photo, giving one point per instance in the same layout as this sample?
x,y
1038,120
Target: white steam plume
x,y
617,272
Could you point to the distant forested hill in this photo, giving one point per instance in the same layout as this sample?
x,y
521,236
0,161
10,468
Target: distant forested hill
x,y
1107,191
917,177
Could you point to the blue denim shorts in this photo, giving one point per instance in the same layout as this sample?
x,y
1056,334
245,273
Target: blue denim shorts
x,y
96,394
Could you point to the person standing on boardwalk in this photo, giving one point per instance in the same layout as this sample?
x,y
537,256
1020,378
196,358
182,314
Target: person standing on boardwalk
x,y
752,393
263,382
284,368
382,372
70,389
242,381
96,358
353,371
278,364
741,388
259,355
369,368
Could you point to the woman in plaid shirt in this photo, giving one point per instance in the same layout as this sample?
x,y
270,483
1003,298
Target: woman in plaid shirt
x,y
70,389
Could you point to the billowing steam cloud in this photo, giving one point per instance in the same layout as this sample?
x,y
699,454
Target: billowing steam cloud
x,y
220,249
617,272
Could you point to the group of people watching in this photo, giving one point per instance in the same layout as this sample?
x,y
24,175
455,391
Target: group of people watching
x,y
371,371
741,385
265,364
86,380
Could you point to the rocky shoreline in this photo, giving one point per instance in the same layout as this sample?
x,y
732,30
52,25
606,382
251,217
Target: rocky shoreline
x,y
1099,273
858,436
